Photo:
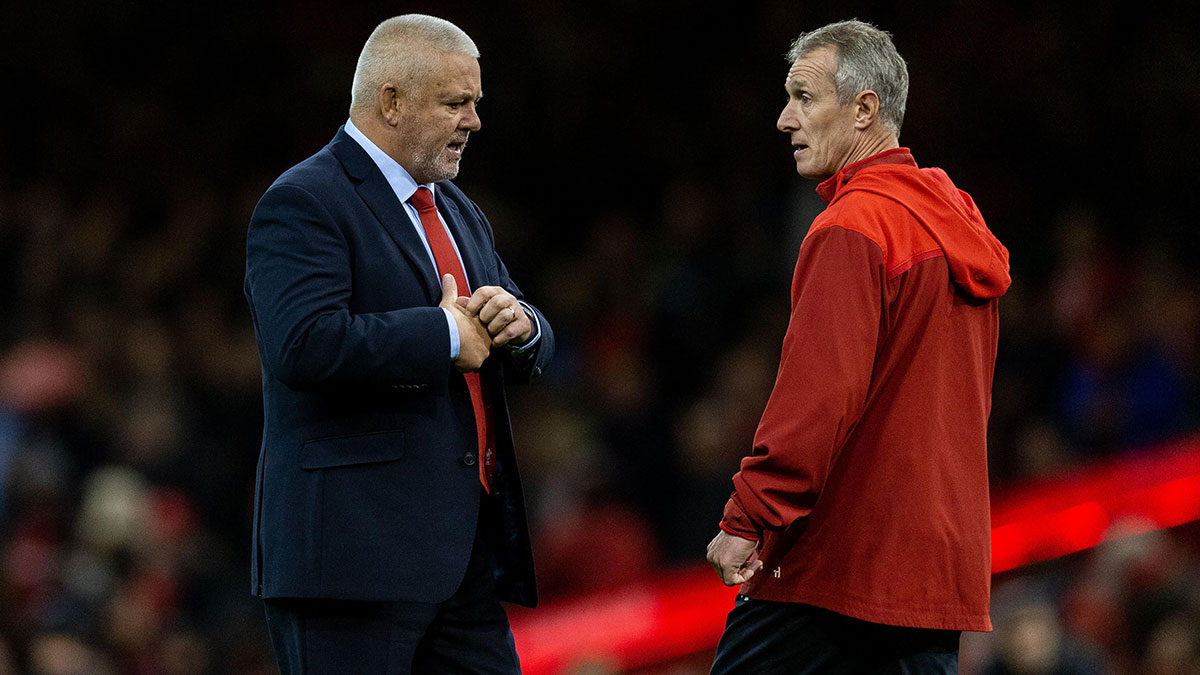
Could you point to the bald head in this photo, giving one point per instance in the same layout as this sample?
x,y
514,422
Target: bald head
x,y
404,51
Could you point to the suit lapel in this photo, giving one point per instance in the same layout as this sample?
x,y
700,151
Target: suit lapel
x,y
471,256
378,195
375,192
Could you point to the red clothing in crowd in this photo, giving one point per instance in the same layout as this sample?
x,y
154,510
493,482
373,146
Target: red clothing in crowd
x,y
868,478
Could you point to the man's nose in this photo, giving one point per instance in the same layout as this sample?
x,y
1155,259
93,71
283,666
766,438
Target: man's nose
x,y
470,119
788,120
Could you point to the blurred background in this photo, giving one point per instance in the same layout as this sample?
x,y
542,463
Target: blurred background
x,y
644,200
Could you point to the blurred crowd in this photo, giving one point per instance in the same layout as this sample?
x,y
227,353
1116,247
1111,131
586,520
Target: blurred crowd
x,y
1129,606
643,199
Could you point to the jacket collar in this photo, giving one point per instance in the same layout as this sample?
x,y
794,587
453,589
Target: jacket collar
x,y
375,191
829,188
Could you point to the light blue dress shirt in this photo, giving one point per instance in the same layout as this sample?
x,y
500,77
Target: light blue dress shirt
x,y
404,186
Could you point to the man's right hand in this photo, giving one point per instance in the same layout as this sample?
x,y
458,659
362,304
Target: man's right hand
x,y
474,343
734,558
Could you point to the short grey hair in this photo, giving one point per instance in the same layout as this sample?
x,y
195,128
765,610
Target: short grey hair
x,y
866,59
402,50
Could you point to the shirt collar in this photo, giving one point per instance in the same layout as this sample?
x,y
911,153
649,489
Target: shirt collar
x,y
829,187
401,181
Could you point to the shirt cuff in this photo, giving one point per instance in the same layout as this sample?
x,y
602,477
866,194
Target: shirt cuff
x,y
736,522
537,330
454,343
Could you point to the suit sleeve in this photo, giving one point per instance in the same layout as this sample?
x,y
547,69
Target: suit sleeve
x,y
298,284
520,366
821,387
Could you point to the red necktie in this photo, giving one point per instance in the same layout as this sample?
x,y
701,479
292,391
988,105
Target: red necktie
x,y
448,263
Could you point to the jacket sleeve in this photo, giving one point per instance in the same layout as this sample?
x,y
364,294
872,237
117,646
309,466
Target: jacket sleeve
x,y
298,284
821,386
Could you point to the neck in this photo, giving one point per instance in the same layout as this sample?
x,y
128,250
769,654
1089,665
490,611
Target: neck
x,y
868,145
374,130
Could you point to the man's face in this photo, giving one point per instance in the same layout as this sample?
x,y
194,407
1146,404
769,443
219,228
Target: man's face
x,y
821,130
435,122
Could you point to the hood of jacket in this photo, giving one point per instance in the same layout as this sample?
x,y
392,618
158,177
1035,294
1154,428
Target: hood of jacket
x,y
978,261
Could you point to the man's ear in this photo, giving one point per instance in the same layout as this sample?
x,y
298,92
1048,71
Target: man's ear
x,y
390,102
866,110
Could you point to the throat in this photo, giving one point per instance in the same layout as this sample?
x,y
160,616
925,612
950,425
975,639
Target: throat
x,y
871,145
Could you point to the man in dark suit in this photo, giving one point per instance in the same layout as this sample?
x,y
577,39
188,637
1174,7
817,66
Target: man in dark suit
x,y
389,521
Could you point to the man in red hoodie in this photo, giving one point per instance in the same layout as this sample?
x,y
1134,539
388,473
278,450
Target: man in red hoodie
x,y
859,525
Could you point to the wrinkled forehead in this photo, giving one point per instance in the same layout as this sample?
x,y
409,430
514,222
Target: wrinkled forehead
x,y
813,69
454,71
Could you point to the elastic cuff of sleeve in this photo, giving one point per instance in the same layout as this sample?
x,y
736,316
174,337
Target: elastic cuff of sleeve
x,y
735,520
743,535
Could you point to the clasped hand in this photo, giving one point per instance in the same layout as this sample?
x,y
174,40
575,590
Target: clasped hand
x,y
735,559
490,317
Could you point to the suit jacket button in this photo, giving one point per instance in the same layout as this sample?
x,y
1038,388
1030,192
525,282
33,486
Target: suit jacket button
x,y
537,371
469,459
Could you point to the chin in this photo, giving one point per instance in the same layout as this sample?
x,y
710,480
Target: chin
x,y
813,173
809,174
448,171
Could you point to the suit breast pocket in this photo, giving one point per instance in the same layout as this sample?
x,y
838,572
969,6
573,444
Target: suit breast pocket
x,y
362,448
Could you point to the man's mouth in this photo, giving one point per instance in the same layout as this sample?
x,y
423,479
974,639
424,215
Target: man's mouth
x,y
799,148
456,147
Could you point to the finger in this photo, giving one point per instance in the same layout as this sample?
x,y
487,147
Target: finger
x,y
449,289
719,570
497,324
480,297
512,331
505,318
731,578
738,578
496,305
723,566
740,574
748,568
462,301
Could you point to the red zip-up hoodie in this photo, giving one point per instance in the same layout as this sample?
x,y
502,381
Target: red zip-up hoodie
x,y
868,478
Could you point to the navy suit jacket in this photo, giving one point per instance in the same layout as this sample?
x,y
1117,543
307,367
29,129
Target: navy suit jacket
x,y
367,486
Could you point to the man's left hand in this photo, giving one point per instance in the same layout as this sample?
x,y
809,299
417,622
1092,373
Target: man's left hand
x,y
735,559
500,312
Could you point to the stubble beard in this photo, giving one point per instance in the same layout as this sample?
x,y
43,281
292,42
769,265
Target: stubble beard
x,y
433,167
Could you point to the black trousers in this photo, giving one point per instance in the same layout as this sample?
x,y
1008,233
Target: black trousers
x,y
468,634
782,638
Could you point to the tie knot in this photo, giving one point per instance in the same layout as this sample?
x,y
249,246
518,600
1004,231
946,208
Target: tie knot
x,y
423,200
